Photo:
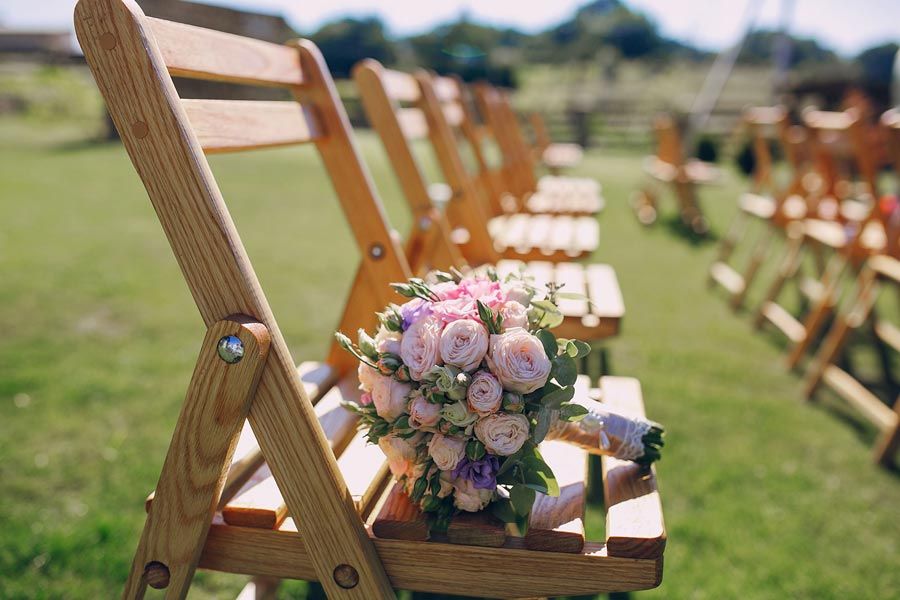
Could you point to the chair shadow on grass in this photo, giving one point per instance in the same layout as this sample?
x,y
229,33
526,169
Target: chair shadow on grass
x,y
675,226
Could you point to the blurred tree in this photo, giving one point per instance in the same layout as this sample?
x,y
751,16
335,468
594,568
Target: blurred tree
x,y
759,47
347,41
877,63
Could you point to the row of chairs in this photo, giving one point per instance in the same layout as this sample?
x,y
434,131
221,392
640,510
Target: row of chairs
x,y
838,231
266,475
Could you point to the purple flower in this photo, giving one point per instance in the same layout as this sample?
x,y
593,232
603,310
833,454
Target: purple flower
x,y
413,311
482,473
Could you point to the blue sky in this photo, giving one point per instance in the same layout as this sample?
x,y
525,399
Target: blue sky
x,y
846,26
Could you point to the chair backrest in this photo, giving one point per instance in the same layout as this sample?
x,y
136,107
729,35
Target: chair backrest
x,y
402,109
133,58
542,138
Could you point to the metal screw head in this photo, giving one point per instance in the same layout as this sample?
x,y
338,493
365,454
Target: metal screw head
x,y
346,576
376,251
230,349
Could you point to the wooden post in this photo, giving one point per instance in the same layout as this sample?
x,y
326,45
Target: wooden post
x,y
193,474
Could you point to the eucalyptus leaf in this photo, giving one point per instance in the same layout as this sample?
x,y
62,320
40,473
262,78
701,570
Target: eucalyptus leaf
x,y
542,427
555,399
548,340
572,412
522,499
503,510
564,370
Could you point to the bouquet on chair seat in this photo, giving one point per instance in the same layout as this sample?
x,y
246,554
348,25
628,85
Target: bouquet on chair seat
x,y
464,380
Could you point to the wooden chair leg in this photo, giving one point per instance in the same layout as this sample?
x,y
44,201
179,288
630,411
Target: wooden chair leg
x,y
833,344
756,260
231,361
732,237
889,442
786,271
819,314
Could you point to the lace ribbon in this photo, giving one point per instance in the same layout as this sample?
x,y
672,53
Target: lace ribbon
x,y
614,434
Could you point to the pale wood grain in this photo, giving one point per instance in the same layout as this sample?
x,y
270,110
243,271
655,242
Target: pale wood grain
x,y
200,53
206,433
634,518
433,566
234,125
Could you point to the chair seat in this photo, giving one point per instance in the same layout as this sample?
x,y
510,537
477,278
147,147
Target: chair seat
x,y
696,171
558,194
596,317
762,207
542,236
562,156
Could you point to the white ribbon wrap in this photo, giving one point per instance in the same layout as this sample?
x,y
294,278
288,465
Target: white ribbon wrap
x,y
603,431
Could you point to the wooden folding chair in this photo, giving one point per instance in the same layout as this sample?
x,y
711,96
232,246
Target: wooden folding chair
x,y
825,370
553,194
555,156
432,105
670,167
775,208
329,478
856,230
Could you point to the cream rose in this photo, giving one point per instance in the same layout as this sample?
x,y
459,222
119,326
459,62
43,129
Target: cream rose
x,y
423,413
502,434
390,397
367,377
464,343
518,360
469,498
419,346
484,394
388,341
446,451
400,453
519,294
514,315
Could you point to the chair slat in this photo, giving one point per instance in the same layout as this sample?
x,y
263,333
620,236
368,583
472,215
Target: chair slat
x,y
454,114
234,125
412,123
634,518
445,88
199,53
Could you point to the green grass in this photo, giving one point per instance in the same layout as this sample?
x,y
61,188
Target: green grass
x,y
765,496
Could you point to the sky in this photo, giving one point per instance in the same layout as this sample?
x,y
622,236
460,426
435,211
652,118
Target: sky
x,y
845,26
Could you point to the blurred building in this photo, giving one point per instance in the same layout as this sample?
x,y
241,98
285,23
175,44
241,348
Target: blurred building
x,y
38,44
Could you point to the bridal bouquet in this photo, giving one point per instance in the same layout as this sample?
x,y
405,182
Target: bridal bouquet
x,y
464,380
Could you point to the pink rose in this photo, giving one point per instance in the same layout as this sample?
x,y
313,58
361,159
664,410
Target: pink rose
x,y
514,315
446,290
367,377
453,310
484,394
390,397
489,292
464,344
419,347
469,498
446,451
423,413
365,399
401,453
518,360
518,293
502,434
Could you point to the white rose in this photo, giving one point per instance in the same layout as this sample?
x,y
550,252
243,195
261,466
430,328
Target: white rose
x,y
367,377
520,294
469,498
419,346
390,397
423,413
388,341
446,451
464,343
502,434
399,452
514,315
484,394
518,360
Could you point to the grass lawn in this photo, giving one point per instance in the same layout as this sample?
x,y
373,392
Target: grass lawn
x,y
765,496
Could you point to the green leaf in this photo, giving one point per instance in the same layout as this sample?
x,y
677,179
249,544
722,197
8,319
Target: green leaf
x,y
548,340
577,348
431,504
564,370
419,489
555,398
539,476
503,510
475,450
543,425
546,306
522,499
572,412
